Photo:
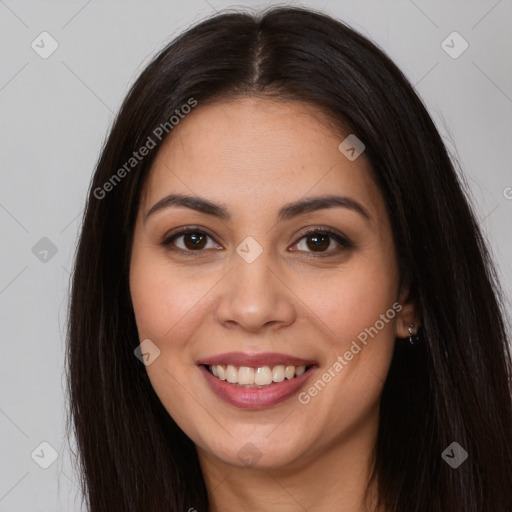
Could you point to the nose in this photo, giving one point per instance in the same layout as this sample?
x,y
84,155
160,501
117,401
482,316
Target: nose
x,y
254,297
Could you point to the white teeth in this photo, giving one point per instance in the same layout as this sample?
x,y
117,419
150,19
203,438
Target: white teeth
x,y
253,377
231,374
289,373
245,375
278,373
263,376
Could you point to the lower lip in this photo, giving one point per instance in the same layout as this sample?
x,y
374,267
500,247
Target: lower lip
x,y
255,398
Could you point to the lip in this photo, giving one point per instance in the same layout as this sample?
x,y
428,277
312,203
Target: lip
x,y
255,398
255,360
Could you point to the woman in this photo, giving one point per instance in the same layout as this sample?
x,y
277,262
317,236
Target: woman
x,y
281,298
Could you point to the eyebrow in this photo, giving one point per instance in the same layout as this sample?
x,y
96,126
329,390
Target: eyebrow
x,y
287,212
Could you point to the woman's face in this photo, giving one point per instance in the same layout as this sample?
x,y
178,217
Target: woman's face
x,y
300,326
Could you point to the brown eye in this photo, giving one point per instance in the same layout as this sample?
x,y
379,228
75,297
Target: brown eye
x,y
194,240
320,242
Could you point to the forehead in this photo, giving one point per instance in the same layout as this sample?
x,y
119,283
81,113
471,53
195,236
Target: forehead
x,y
254,152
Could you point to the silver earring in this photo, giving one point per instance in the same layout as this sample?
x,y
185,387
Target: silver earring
x,y
411,334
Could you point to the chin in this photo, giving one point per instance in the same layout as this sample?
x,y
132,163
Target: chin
x,y
258,453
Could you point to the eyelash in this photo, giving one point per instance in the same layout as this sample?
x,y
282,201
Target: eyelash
x,y
344,242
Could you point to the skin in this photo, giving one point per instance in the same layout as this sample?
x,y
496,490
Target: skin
x,y
253,156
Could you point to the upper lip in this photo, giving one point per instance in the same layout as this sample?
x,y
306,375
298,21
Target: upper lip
x,y
254,360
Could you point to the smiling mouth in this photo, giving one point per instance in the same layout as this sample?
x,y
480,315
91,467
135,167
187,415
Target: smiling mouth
x,y
257,377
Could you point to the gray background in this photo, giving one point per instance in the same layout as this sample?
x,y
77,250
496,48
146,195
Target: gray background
x,y
55,113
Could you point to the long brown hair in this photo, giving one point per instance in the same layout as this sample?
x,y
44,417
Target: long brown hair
x,y
455,387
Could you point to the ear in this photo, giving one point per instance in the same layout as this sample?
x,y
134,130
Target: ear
x,y
407,315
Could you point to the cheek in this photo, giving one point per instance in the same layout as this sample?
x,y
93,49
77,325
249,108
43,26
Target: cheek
x,y
166,306
356,310
349,302
357,350
163,296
